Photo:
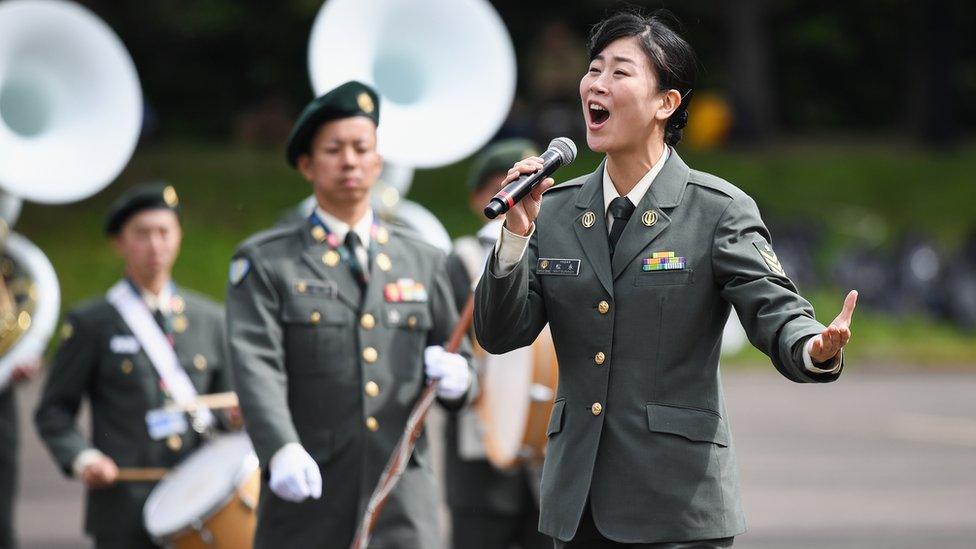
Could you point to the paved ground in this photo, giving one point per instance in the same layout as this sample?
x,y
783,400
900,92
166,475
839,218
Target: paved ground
x,y
874,461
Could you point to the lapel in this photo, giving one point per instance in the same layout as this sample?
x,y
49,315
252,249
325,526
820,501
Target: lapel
x,y
339,274
665,193
594,239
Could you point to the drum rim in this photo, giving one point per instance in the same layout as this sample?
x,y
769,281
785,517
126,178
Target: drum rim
x,y
190,529
248,466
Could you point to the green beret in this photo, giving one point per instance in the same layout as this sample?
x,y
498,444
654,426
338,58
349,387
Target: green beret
x,y
150,196
499,157
350,99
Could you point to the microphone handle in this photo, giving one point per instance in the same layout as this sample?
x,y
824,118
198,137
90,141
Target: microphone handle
x,y
515,191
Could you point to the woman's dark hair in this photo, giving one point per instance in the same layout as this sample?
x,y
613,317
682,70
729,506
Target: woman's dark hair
x,y
671,57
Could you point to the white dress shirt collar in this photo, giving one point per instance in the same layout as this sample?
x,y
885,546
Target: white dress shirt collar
x,y
340,228
161,301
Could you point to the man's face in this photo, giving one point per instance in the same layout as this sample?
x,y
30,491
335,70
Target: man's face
x,y
342,163
149,243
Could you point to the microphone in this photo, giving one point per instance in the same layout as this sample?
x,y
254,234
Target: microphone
x,y
561,151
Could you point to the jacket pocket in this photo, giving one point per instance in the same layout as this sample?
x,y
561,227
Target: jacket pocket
x,y
691,423
409,316
309,311
556,417
664,278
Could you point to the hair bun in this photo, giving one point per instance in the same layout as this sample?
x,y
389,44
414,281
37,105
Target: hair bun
x,y
680,120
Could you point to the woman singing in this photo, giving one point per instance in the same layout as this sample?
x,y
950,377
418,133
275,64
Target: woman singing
x,y
636,268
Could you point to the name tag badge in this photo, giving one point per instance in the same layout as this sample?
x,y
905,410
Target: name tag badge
x,y
559,267
316,288
124,345
163,423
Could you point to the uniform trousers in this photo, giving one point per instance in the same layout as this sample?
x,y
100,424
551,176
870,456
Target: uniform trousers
x,y
588,537
8,466
480,529
134,541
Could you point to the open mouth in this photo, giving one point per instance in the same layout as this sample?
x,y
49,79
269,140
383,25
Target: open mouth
x,y
598,114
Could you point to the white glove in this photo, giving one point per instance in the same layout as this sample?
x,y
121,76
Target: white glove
x,y
294,474
450,369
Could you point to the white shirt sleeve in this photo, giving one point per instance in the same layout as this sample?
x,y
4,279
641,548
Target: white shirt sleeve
x,y
808,360
509,249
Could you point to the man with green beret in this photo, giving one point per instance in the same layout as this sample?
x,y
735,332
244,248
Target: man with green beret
x,y
490,508
145,343
334,327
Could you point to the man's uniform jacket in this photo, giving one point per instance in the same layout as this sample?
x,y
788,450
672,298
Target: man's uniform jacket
x,y
639,425
319,363
121,385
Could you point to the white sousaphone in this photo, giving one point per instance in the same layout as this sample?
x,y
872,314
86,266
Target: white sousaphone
x,y
70,117
445,72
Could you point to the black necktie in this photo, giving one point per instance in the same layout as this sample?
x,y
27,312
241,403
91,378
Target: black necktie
x,y
352,245
164,324
621,208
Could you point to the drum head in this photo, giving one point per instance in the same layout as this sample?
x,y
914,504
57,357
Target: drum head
x,y
199,485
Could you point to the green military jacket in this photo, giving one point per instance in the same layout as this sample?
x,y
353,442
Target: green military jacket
x,y
318,363
121,385
639,424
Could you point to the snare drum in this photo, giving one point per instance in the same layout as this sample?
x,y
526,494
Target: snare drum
x,y
209,500
518,388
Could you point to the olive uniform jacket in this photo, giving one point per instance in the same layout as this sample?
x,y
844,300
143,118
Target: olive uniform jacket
x,y
121,385
639,424
318,363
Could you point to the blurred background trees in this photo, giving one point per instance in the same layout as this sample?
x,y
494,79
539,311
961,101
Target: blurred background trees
x,y
223,68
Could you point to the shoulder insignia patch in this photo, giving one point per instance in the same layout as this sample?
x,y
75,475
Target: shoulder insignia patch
x,y
239,268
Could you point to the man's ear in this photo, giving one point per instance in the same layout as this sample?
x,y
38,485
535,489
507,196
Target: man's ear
x,y
304,165
117,243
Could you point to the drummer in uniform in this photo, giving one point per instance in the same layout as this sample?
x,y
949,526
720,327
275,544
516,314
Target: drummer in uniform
x,y
145,343
333,326
490,508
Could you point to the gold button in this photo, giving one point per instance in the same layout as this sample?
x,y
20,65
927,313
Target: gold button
x,y
383,262
200,362
372,389
126,366
180,324
315,317
603,307
370,355
367,321
382,235
318,233
177,304
412,321
331,258
600,358
174,442
596,409
372,424
301,286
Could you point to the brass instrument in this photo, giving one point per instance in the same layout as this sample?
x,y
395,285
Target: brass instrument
x,y
70,117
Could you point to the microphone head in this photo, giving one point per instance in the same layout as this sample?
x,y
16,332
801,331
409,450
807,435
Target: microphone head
x,y
565,147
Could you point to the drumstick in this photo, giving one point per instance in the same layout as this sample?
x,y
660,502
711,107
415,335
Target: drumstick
x,y
213,401
141,474
415,425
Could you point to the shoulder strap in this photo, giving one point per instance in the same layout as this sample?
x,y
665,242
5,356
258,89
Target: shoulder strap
x,y
162,355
